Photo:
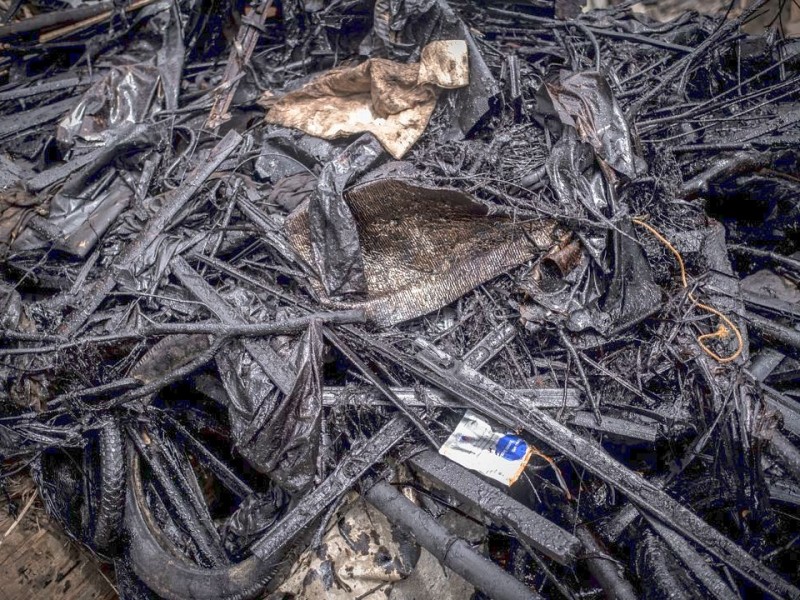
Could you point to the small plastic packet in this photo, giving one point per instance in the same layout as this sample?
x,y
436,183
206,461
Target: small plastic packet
x,y
478,446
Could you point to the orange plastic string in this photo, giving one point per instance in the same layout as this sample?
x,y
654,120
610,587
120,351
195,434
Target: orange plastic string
x,y
555,468
725,327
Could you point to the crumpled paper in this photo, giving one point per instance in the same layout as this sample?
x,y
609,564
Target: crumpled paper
x,y
391,100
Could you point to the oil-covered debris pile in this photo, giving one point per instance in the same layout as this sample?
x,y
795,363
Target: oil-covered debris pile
x,y
302,299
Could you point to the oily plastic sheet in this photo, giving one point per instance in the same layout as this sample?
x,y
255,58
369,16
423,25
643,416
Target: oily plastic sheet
x,y
124,96
335,246
574,176
603,302
594,129
396,28
687,29
290,191
572,299
393,101
278,434
11,310
632,292
172,352
85,223
255,516
275,163
423,248
585,101
770,285
252,398
292,434
127,95
78,220
145,273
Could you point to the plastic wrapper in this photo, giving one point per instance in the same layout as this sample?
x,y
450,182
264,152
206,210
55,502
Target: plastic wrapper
x,y
277,433
476,445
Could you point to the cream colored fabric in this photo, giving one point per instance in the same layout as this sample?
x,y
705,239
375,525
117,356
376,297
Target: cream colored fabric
x,y
391,100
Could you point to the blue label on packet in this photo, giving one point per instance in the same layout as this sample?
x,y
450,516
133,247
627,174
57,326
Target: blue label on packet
x,y
511,447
